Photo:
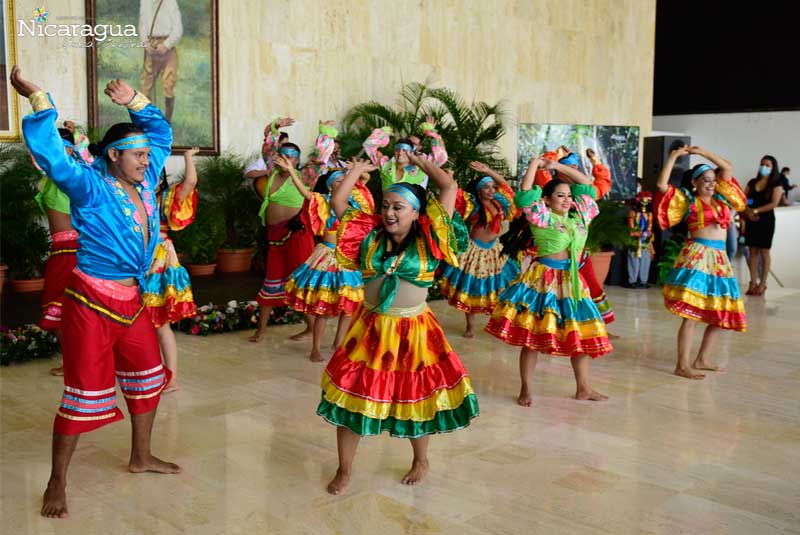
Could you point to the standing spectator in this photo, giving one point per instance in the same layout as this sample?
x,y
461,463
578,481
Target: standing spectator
x,y
763,195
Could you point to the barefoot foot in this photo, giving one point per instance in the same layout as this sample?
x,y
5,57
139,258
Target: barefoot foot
x,y
256,337
301,335
54,501
589,394
419,469
707,366
58,372
153,464
316,356
469,334
339,482
524,399
173,386
688,373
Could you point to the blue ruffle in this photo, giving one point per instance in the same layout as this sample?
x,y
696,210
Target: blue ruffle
x,y
476,287
523,297
310,279
157,283
703,283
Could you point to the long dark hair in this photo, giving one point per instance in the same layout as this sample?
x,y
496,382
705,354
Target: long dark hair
x,y
115,133
519,236
422,196
473,188
774,176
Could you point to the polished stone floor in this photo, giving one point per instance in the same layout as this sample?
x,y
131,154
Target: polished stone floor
x,y
664,455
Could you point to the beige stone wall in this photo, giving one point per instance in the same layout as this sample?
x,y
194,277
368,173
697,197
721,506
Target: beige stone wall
x,y
564,61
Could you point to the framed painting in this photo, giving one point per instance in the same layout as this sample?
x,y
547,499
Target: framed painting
x,y
617,147
166,49
9,111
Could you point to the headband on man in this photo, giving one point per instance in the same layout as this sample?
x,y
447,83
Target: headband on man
x,y
333,177
131,142
403,146
406,193
569,159
700,170
289,151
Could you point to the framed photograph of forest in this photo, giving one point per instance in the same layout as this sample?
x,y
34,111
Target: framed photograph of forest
x,y
9,112
617,146
172,59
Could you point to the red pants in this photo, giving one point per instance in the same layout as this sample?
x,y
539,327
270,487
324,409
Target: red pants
x,y
286,250
105,334
57,273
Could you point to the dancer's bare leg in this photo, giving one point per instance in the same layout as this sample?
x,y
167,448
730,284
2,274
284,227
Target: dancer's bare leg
x,y
341,330
584,391
685,335
316,341
468,332
54,501
263,317
169,349
752,265
142,460
527,364
420,464
703,360
308,331
766,265
347,444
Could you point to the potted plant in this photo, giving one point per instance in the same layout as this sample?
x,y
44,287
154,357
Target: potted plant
x,y
609,230
24,241
230,194
200,241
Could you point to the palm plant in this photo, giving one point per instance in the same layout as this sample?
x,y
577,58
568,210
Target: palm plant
x,y
470,131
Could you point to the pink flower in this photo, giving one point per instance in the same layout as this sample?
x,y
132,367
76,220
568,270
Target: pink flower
x,y
195,329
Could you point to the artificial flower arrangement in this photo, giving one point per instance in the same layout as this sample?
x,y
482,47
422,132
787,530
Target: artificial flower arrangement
x,y
24,343
233,316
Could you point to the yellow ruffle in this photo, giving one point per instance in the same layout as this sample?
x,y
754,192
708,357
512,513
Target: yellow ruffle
x,y
442,227
325,295
185,212
548,324
732,192
704,302
155,301
421,411
678,205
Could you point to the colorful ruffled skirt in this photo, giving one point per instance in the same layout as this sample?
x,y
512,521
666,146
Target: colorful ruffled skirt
x,y
483,272
396,372
167,290
321,288
538,311
702,286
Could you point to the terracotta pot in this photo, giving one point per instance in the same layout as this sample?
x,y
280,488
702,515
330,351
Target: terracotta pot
x,y
602,263
3,269
234,260
200,270
26,285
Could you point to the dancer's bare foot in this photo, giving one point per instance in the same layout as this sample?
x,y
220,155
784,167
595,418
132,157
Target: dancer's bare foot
x,y
58,372
468,333
688,373
316,356
524,398
589,394
707,366
301,335
419,469
153,464
54,501
613,336
339,482
256,337
173,386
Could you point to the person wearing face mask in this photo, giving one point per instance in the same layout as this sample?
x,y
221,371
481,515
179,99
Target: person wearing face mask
x,y
395,370
483,271
764,194
105,331
319,287
400,168
548,308
701,286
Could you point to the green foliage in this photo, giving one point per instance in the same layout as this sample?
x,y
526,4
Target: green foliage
x,y
201,240
225,190
672,248
24,241
26,343
609,229
470,131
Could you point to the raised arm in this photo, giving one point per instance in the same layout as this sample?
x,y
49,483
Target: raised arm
x,y
340,200
666,171
488,171
573,175
323,148
600,173
375,142
283,163
530,174
448,188
189,176
725,167
439,152
271,136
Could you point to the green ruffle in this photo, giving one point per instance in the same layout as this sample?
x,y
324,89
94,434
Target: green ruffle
x,y
443,422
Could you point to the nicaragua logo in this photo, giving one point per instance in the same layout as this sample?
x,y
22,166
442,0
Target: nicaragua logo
x,y
39,27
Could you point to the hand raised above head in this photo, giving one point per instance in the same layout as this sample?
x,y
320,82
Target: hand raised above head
x,y
191,152
480,167
285,121
21,85
680,151
431,120
119,92
549,164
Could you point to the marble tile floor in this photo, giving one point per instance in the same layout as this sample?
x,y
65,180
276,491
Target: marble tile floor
x,y
664,455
